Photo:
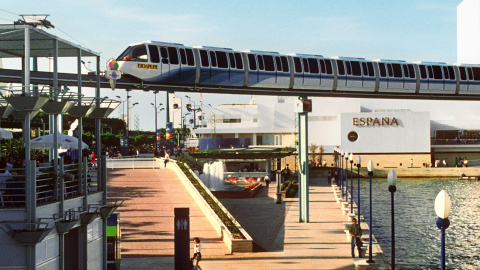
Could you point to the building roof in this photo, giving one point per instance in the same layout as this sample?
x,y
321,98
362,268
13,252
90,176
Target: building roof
x,y
41,43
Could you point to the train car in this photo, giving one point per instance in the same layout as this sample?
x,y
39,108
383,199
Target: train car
x,y
354,74
311,72
266,69
219,66
396,76
436,78
154,61
468,79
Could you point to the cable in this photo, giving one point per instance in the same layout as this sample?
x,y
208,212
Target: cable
x,y
9,12
6,20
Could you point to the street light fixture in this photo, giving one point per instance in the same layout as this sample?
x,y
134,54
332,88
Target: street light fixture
x,y
346,177
350,157
359,162
443,206
392,182
370,174
341,171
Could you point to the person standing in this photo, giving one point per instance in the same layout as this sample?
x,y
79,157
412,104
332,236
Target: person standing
x,y
197,254
166,159
267,180
356,232
411,163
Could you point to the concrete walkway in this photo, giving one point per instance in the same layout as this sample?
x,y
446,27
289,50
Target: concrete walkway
x,y
281,241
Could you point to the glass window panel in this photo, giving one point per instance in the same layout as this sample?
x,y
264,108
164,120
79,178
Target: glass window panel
x,y
222,59
383,71
313,64
470,74
260,62
328,64
371,70
349,67
451,71
183,56
231,58
139,53
238,60
437,72
213,59
252,62
284,64
278,62
306,69
154,55
463,74
476,73
323,69
430,72
269,66
173,55
390,70
411,71
423,71
365,69
397,71
298,65
190,58
204,58
341,67
405,71
445,73
356,70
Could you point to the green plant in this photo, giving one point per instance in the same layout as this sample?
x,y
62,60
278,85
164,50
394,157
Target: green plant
x,y
213,204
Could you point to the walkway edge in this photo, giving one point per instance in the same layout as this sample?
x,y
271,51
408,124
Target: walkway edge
x,y
233,245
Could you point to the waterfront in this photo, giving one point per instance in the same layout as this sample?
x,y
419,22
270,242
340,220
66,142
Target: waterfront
x,y
417,236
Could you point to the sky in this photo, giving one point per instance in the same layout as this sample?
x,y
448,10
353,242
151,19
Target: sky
x,y
411,30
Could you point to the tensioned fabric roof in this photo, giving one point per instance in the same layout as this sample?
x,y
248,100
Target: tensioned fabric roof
x,y
12,40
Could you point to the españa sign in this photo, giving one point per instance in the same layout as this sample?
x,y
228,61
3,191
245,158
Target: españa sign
x,y
375,121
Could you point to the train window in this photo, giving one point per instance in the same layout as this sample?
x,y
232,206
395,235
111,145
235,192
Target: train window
x,y
390,70
463,74
430,72
405,71
278,62
349,67
476,73
125,53
298,65
164,54
452,73
154,56
204,58
411,71
285,64
213,59
383,72
445,73
313,64
423,71
238,60
305,65
328,65
260,62
437,72
470,74
139,53
322,66
183,56
231,58
222,59
190,59
365,69
356,70
269,66
252,62
341,67
371,70
173,55
397,71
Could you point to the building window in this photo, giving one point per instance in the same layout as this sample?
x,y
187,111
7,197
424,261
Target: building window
x,y
232,120
255,120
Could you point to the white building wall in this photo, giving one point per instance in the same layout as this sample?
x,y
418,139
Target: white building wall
x,y
468,32
411,134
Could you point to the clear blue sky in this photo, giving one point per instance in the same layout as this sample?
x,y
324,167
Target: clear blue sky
x,y
405,30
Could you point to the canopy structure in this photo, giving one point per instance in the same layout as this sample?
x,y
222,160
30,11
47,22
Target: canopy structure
x,y
5,134
63,142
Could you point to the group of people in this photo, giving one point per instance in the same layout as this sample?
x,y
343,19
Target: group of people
x,y
461,162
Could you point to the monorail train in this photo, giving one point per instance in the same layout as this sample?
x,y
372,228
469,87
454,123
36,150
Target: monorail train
x,y
172,63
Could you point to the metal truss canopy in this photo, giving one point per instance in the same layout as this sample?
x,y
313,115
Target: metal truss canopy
x,y
12,43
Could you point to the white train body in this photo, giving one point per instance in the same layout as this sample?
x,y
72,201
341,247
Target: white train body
x,y
176,64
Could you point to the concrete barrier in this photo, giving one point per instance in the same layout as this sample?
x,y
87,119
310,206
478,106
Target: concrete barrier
x,y
233,245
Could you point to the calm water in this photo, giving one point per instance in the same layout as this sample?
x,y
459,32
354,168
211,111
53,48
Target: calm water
x,y
417,237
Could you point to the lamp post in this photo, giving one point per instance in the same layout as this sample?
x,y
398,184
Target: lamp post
x,y
359,162
443,206
340,173
123,107
335,160
370,174
350,157
392,181
156,128
346,177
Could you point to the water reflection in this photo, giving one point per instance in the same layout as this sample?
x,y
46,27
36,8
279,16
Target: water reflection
x,y
417,236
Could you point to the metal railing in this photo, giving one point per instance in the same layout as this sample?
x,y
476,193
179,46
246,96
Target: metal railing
x,y
12,187
134,163
455,141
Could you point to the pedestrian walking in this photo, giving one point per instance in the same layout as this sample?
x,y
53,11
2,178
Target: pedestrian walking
x,y
166,159
267,180
197,254
356,232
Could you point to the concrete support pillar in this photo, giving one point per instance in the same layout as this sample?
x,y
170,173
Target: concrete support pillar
x,y
303,166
